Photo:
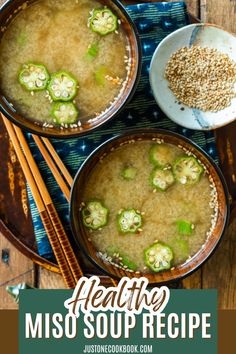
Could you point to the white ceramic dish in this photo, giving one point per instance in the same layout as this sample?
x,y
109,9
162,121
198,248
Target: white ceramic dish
x,y
195,34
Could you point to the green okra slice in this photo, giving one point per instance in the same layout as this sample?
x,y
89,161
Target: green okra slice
x,y
64,112
129,221
103,21
62,86
21,39
92,51
100,74
129,173
161,155
34,77
158,257
121,259
95,215
180,248
162,178
187,170
185,227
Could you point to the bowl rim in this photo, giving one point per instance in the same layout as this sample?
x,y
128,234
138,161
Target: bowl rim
x,y
11,115
151,73
143,131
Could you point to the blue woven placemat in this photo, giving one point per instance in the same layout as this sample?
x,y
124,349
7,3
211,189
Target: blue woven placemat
x,y
154,22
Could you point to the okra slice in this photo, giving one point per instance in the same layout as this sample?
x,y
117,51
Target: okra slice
x,y
129,173
62,86
187,170
126,262
100,74
158,257
34,77
180,248
121,259
161,155
64,112
129,221
162,178
21,39
95,215
185,227
103,21
92,51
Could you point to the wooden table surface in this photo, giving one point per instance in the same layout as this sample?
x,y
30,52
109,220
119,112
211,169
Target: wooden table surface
x,y
220,271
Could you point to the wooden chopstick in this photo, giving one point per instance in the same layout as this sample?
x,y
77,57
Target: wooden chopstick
x,y
51,155
58,161
53,167
43,212
62,236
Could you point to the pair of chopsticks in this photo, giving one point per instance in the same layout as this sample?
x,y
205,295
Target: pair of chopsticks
x,y
66,259
58,169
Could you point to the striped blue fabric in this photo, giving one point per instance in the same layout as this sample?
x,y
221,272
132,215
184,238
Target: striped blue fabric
x,y
154,21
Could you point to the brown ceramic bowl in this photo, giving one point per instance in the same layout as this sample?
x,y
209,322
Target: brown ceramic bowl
x,y
147,135
7,13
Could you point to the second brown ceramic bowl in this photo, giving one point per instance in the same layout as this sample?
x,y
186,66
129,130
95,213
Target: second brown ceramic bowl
x,y
182,270
12,8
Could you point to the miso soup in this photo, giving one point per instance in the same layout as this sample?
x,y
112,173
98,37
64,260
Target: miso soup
x,y
148,206
61,37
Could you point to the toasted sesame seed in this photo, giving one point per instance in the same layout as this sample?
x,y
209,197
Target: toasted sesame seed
x,y
202,77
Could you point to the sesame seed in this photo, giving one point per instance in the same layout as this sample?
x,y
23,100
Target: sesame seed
x,y
202,78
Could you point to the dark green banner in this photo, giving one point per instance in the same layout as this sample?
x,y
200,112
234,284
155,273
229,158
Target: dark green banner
x,y
188,324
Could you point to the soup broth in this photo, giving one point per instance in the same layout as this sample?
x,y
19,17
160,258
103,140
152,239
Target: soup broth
x,y
165,214
55,33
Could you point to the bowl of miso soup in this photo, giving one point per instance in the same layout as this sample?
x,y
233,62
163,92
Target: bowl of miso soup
x,y
67,66
149,203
